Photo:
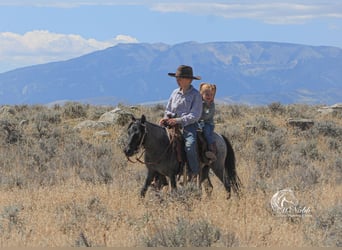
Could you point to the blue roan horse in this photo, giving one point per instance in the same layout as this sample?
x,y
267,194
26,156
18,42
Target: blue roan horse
x,y
161,158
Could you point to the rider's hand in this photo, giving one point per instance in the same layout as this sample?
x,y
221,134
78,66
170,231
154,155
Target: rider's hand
x,y
172,122
163,122
168,122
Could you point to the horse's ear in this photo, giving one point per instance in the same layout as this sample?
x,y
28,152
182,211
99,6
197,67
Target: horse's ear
x,y
133,118
143,119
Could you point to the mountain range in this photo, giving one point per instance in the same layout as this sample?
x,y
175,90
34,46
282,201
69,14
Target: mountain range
x,y
254,73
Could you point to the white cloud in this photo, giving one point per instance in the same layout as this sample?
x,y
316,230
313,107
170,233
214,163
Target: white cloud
x,y
269,11
275,12
41,46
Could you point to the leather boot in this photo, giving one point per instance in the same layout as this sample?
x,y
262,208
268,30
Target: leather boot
x,y
211,154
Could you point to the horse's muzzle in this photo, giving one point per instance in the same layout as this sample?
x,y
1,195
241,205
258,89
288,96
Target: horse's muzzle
x,y
128,152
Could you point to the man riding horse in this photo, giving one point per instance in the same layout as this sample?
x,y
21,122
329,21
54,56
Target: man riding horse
x,y
184,108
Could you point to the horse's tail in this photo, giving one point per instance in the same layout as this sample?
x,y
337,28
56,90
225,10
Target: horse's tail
x,y
230,176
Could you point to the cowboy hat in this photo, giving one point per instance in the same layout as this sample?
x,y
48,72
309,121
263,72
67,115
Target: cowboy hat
x,y
185,72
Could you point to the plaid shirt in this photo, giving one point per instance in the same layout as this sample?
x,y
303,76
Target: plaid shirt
x,y
186,107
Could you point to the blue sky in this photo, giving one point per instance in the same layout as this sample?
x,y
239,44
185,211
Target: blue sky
x,y
40,31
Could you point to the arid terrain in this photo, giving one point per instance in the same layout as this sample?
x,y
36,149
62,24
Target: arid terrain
x,y
67,185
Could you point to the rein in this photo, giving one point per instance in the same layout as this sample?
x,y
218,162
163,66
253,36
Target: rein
x,y
137,158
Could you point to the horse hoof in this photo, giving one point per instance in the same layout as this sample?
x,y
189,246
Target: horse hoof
x,y
142,194
228,196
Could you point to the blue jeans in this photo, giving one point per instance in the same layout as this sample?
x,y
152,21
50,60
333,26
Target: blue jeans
x,y
208,130
190,137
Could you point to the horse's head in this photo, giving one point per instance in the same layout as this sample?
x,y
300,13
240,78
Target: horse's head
x,y
136,133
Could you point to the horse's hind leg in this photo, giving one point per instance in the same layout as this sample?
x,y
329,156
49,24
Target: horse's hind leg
x,y
208,187
226,184
225,180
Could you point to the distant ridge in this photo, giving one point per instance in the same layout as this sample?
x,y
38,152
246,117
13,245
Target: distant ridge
x,y
245,72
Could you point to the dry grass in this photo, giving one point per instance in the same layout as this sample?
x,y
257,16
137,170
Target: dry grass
x,y
61,187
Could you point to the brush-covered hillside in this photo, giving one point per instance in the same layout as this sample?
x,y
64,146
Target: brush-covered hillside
x,y
63,184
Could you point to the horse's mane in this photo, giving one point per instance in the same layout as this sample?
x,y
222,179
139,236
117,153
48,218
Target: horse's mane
x,y
156,134
154,125
149,123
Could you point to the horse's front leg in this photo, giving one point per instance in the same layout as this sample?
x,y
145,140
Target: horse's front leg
x,y
159,181
148,181
173,182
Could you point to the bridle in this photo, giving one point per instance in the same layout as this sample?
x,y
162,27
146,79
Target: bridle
x,y
138,158
142,139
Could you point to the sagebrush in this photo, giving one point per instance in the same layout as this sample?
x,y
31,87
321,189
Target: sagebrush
x,y
62,186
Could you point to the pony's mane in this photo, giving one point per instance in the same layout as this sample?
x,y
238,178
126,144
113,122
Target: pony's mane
x,y
148,123
154,124
157,131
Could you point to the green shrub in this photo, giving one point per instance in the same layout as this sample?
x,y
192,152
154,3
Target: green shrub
x,y
330,222
276,107
74,110
184,234
329,128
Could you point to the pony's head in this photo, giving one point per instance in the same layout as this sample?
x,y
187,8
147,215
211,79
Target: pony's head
x,y
136,134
